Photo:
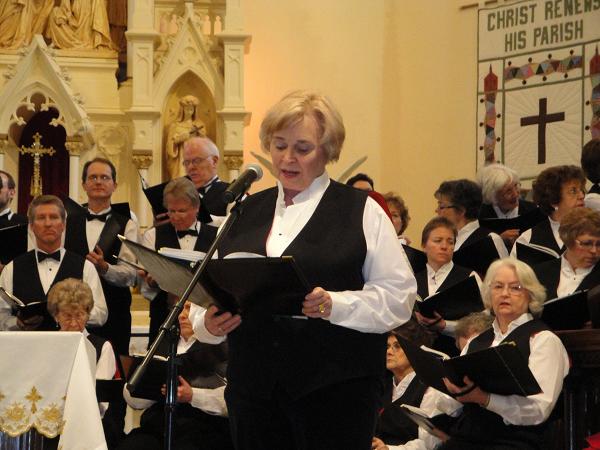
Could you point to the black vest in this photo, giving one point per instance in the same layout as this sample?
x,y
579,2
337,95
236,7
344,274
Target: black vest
x,y
542,234
549,275
304,355
477,235
458,273
98,342
26,279
393,426
487,211
117,328
16,219
479,425
212,200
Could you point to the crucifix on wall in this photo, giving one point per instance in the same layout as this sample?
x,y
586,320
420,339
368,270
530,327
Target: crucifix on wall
x,y
36,151
541,120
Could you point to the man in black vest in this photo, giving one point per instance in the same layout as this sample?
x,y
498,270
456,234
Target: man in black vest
x,y
200,160
183,231
7,193
30,276
93,235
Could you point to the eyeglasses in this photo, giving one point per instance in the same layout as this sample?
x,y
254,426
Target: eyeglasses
x,y
442,207
103,178
68,317
588,245
194,162
513,289
575,191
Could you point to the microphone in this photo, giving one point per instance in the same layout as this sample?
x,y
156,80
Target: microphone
x,y
240,186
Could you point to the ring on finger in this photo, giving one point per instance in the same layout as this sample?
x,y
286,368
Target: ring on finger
x,y
322,308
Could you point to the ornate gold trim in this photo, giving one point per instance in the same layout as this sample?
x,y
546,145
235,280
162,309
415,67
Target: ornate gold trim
x,y
142,161
20,417
233,162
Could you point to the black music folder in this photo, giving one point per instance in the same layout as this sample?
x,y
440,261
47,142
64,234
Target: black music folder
x,y
156,374
464,297
14,242
416,258
478,256
154,194
24,310
521,223
500,370
238,285
570,312
532,254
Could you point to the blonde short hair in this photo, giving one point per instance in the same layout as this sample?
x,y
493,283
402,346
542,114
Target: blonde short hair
x,y
296,105
68,294
579,221
527,279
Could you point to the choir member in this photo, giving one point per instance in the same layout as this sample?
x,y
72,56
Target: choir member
x,y
183,231
437,240
556,190
470,326
460,201
312,383
577,269
200,160
501,189
361,181
201,419
399,212
93,235
492,421
30,276
70,303
590,163
7,193
395,431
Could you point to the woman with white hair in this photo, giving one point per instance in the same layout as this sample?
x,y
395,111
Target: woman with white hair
x,y
492,421
500,188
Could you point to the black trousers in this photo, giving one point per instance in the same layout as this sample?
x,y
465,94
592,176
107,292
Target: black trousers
x,y
340,416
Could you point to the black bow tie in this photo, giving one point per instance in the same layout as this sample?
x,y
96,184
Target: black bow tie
x,y
100,217
202,190
42,256
4,217
183,233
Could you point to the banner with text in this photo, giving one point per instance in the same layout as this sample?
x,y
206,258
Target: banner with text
x,y
538,93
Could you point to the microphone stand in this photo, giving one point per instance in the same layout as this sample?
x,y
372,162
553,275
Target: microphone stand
x,y
169,329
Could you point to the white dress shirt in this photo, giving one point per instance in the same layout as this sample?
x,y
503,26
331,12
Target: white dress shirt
x,y
8,213
511,214
47,270
425,441
549,364
467,230
570,278
120,274
525,237
389,292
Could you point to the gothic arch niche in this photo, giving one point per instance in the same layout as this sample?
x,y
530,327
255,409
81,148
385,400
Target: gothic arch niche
x,y
188,84
38,114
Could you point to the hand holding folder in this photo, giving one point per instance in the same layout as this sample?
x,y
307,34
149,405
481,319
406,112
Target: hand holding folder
x,y
273,285
499,370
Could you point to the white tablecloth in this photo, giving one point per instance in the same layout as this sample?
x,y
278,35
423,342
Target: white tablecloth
x,y
47,382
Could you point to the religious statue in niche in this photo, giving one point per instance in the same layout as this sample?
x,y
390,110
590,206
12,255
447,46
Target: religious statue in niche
x,y
20,20
80,24
185,126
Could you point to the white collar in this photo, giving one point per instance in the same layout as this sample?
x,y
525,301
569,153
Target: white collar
x,y
316,189
445,269
523,318
565,267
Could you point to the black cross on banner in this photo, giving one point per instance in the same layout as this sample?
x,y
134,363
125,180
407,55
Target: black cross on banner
x,y
541,120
